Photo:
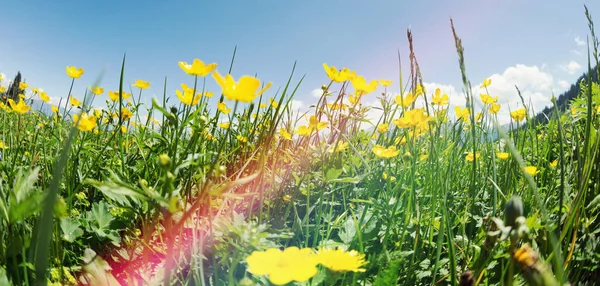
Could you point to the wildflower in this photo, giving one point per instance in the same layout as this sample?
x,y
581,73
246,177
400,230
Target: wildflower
x,y
208,94
338,260
197,68
141,84
353,99
74,101
23,85
2,146
74,72
554,163
478,116
44,97
413,118
494,108
1,76
187,97
35,90
407,100
502,155
123,129
487,99
341,146
470,156
224,125
531,170
382,128
54,108
2,89
164,159
386,153
286,135
262,105
81,196
96,90
20,107
384,82
439,99
519,114
114,95
462,113
486,83
283,267
274,103
335,75
361,86
245,90
126,114
85,122
221,106
242,139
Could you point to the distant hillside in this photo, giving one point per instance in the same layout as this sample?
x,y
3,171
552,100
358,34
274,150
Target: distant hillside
x,y
565,98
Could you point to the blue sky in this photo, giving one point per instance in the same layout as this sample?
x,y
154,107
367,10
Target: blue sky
x,y
533,44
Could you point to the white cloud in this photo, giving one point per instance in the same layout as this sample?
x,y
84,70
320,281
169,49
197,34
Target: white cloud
x,y
296,104
563,84
316,93
579,41
571,67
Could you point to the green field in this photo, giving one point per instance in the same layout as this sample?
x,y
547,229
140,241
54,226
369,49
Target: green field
x,y
249,192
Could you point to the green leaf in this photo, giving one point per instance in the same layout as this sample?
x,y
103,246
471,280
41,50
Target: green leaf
x,y
117,190
349,231
333,174
99,219
70,229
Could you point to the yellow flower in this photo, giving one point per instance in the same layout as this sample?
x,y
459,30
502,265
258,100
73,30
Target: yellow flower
x,y
141,84
114,95
338,260
386,153
382,128
274,103
414,118
554,163
341,146
20,107
54,108
209,94
262,105
2,89
1,76
74,101
286,135
98,90
304,131
35,90
315,124
487,99
74,72
23,85
126,114
531,170
494,108
283,267
353,99
2,146
187,97
519,114
338,76
470,156
245,90
44,97
407,100
486,83
224,125
384,82
242,139
164,159
502,155
439,99
85,123
361,86
221,106
197,68
123,129
462,113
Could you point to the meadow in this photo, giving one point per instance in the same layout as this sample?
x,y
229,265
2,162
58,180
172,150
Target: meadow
x,y
183,192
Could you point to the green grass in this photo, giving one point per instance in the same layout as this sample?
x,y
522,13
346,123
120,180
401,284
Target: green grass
x,y
185,201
